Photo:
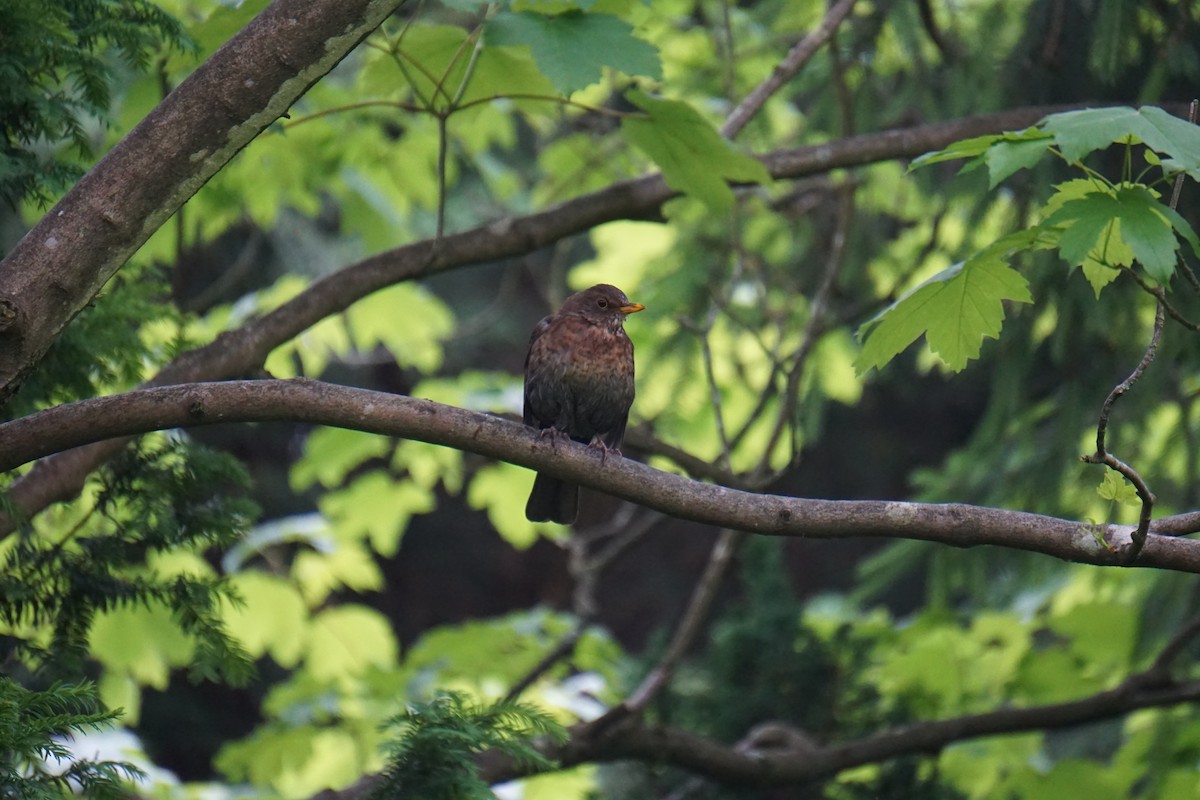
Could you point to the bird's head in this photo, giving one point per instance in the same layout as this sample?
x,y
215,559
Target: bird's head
x,y
601,302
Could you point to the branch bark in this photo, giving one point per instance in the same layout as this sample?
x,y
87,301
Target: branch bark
x,y
661,744
60,265
778,755
238,353
320,403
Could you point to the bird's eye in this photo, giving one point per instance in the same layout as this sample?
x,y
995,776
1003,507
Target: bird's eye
x,y
602,303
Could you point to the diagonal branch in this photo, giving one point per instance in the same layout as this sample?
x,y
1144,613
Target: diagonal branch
x,y
60,265
320,403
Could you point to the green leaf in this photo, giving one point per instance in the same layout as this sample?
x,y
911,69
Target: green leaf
x,y
1078,133
1003,153
1083,220
1167,133
508,71
1115,487
1110,250
694,158
572,48
1100,265
141,641
331,453
1008,156
1148,232
1183,228
964,148
346,640
1089,229
501,489
272,617
405,318
955,310
377,507
1102,635
349,565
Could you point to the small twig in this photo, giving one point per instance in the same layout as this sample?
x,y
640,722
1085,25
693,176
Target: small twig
x,y
813,326
1173,648
714,390
586,570
443,143
796,58
689,627
693,620
1192,109
1161,295
564,648
1102,456
1125,385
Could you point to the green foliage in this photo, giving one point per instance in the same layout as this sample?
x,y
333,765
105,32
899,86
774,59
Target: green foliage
x,y
956,309
108,345
572,48
692,155
1099,225
434,742
56,77
36,762
153,500
462,114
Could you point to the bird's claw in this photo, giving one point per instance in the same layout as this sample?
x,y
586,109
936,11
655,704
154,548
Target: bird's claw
x,y
553,433
604,449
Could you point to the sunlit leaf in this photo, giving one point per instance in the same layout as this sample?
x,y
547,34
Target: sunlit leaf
x,y
272,619
347,566
377,507
347,640
330,454
143,642
501,490
692,155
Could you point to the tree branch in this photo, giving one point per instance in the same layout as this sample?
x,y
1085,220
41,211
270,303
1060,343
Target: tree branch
x,y
806,762
786,755
302,400
60,265
796,58
238,353
1103,456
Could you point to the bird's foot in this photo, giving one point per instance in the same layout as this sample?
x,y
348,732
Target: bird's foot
x,y
598,444
554,433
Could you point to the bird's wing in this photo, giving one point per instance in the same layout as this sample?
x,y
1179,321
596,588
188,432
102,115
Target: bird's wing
x,y
531,378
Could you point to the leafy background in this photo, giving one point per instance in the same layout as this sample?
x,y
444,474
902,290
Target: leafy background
x,y
778,344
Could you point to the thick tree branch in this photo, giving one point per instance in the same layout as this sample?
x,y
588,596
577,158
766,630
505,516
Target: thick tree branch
x,y
779,767
309,401
238,353
60,265
780,755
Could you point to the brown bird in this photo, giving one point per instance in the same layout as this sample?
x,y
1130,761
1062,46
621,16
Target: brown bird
x,y
578,382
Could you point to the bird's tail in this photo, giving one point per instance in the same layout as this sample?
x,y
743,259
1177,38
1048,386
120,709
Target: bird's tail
x,y
552,500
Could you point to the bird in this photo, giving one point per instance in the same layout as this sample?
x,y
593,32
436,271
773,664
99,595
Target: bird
x,y
578,383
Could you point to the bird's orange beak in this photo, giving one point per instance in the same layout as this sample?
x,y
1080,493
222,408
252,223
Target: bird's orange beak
x,y
632,308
